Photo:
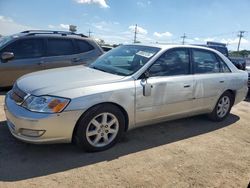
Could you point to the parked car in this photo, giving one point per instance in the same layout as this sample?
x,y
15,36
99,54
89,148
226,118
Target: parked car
x,y
35,50
239,62
129,86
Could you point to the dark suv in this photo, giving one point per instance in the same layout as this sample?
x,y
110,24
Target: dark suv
x,y
35,50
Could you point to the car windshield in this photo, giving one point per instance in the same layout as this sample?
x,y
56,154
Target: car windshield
x,y
125,60
4,40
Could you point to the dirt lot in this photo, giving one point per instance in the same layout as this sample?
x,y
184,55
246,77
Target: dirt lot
x,y
192,152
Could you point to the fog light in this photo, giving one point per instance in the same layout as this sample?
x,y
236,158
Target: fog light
x,y
31,133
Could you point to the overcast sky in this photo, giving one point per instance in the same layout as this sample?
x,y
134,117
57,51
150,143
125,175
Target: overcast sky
x,y
162,21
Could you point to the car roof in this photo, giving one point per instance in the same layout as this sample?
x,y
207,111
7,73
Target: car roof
x,y
48,33
169,46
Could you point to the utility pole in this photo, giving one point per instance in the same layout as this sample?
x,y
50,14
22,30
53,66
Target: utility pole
x,y
89,32
183,38
240,35
135,40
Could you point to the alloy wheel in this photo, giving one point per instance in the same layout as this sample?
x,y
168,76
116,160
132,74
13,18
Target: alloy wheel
x,y
102,129
223,106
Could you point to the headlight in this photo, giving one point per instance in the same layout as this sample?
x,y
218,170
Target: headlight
x,y
46,104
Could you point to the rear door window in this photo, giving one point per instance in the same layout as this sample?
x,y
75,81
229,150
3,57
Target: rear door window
x,y
223,65
205,62
26,48
58,47
84,46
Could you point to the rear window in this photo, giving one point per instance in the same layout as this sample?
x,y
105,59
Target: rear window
x,y
84,46
57,47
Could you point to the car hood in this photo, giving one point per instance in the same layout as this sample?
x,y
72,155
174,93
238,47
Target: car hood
x,y
55,80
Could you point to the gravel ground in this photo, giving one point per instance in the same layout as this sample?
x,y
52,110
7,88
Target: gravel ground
x,y
191,152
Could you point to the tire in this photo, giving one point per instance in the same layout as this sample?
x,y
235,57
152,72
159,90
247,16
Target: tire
x,y
222,107
99,128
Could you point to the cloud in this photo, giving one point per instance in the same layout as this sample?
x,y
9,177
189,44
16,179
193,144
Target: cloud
x,y
101,3
60,26
5,19
9,26
51,26
101,25
104,25
165,34
64,26
143,4
140,30
234,41
209,39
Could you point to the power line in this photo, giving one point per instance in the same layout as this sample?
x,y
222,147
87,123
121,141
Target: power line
x,y
135,33
240,35
183,38
217,35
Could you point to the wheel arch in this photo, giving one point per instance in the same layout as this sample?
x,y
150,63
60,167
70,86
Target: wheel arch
x,y
233,93
104,103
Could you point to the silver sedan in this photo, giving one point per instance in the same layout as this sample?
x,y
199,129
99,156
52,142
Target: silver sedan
x,y
128,87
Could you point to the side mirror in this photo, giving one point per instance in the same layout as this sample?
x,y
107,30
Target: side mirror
x,y
145,75
7,56
146,86
239,66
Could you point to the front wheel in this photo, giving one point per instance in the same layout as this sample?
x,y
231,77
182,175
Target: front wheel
x,y
222,108
100,128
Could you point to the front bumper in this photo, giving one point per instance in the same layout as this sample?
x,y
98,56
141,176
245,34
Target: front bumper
x,y
57,128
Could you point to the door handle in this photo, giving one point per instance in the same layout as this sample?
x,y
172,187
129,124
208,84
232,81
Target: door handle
x,y
186,86
222,81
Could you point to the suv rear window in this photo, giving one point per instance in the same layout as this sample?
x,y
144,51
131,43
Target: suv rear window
x,y
57,47
84,46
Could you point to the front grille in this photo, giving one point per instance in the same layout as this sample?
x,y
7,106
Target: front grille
x,y
17,94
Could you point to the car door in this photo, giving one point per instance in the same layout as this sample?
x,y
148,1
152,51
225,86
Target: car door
x,y
168,90
60,52
27,57
211,77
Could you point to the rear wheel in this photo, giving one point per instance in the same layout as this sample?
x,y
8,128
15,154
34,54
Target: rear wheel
x,y
100,128
222,108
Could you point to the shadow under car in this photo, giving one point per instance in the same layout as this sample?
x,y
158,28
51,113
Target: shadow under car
x,y
19,161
